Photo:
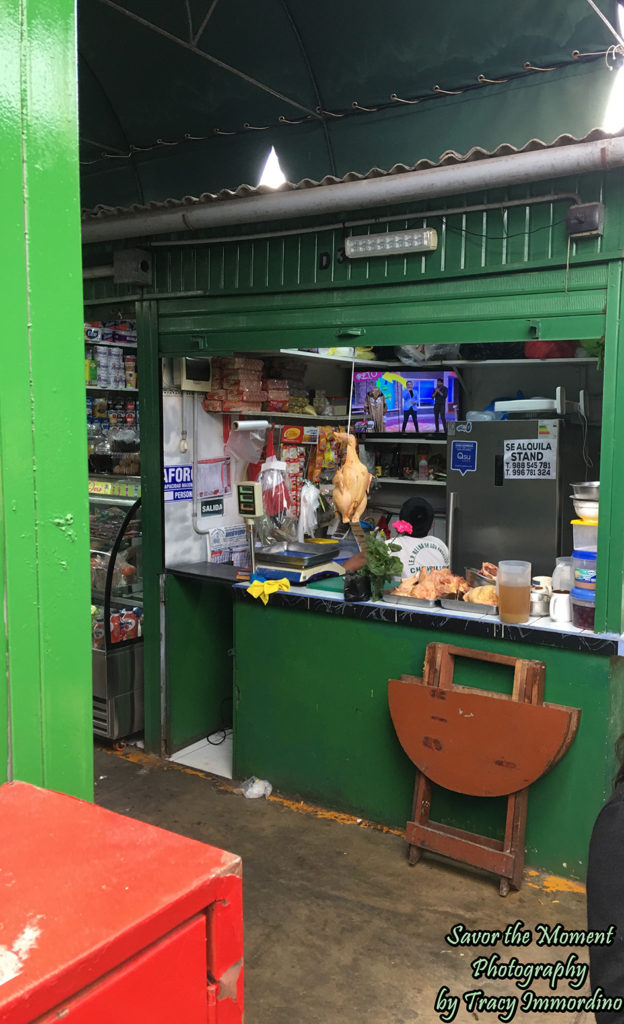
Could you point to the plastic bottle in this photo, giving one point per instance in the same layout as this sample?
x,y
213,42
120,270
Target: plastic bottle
x,y
423,468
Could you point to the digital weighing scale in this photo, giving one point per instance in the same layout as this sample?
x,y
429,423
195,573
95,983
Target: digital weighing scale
x,y
291,560
297,562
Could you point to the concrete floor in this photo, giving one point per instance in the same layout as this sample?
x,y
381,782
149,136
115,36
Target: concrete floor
x,y
338,928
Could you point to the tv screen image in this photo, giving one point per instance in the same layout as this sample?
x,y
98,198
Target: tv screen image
x,y
411,401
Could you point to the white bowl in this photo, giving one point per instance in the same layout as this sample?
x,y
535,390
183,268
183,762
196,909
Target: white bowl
x,y
585,508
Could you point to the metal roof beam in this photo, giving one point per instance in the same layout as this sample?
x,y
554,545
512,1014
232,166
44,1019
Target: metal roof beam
x,y
207,56
200,30
412,186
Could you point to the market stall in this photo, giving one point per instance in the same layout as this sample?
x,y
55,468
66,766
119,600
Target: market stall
x,y
310,670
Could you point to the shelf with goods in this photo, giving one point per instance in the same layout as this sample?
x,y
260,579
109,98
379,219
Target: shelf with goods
x,y
124,390
429,364
119,600
412,483
414,439
113,344
124,489
304,417
314,361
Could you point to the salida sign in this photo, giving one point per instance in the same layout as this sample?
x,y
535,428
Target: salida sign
x,y
530,459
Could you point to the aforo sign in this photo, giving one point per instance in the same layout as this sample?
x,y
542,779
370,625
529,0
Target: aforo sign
x,y
178,483
533,459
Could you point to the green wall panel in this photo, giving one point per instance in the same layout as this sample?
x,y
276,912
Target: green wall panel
x,y
4,692
509,238
43,458
489,308
609,596
198,659
311,715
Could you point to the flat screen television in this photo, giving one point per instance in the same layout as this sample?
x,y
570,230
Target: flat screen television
x,y
406,400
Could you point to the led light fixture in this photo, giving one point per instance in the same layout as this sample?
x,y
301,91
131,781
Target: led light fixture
x,y
391,243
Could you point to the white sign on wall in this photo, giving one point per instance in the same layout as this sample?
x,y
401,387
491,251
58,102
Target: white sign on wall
x,y
532,459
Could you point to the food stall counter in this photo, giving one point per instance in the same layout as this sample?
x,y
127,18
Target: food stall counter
x,y
539,630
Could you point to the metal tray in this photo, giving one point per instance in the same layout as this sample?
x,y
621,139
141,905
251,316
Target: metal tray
x,y
468,608
294,555
408,602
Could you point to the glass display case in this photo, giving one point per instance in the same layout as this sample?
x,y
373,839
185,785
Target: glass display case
x,y
116,615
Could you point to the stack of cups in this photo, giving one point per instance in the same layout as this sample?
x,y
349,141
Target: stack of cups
x,y
584,556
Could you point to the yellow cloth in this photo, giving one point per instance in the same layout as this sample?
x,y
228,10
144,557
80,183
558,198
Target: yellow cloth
x,y
264,588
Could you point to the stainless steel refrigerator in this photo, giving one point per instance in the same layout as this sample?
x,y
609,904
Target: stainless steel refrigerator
x,y
508,491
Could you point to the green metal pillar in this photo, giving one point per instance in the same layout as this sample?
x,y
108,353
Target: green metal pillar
x,y
610,534
153,531
45,690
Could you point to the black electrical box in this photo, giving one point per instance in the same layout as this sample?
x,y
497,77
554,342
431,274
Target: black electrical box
x,y
585,220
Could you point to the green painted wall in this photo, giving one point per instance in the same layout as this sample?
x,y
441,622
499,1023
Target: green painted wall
x,y
311,715
198,659
511,238
45,694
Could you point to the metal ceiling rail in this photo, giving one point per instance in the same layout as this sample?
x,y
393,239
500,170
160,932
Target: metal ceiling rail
x,y
493,172
208,56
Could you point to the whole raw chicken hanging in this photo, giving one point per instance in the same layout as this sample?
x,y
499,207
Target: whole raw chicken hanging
x,y
351,483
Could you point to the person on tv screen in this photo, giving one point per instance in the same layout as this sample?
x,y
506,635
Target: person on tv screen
x,y
375,408
410,405
440,395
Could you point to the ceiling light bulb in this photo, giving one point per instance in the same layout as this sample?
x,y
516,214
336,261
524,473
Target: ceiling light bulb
x,y
272,174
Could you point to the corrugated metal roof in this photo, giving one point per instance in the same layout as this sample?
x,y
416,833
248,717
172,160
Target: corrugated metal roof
x,y
449,157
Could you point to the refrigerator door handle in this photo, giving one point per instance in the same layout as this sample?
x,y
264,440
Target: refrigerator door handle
x,y
499,474
450,528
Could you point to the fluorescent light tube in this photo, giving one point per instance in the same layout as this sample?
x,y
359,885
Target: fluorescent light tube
x,y
391,243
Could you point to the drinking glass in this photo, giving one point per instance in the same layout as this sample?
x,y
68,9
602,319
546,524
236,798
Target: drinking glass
x,y
513,583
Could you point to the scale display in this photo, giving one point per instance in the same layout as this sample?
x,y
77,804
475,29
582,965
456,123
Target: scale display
x,y
250,499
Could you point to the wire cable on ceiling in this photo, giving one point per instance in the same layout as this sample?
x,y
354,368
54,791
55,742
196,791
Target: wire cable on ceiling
x,y
603,17
532,67
398,99
356,109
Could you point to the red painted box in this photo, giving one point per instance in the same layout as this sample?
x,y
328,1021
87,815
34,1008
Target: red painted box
x,y
106,918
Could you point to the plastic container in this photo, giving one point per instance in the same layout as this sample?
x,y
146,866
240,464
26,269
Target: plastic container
x,y
584,568
563,575
513,584
585,533
583,608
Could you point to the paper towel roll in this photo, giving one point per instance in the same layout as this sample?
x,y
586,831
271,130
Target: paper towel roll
x,y
251,425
